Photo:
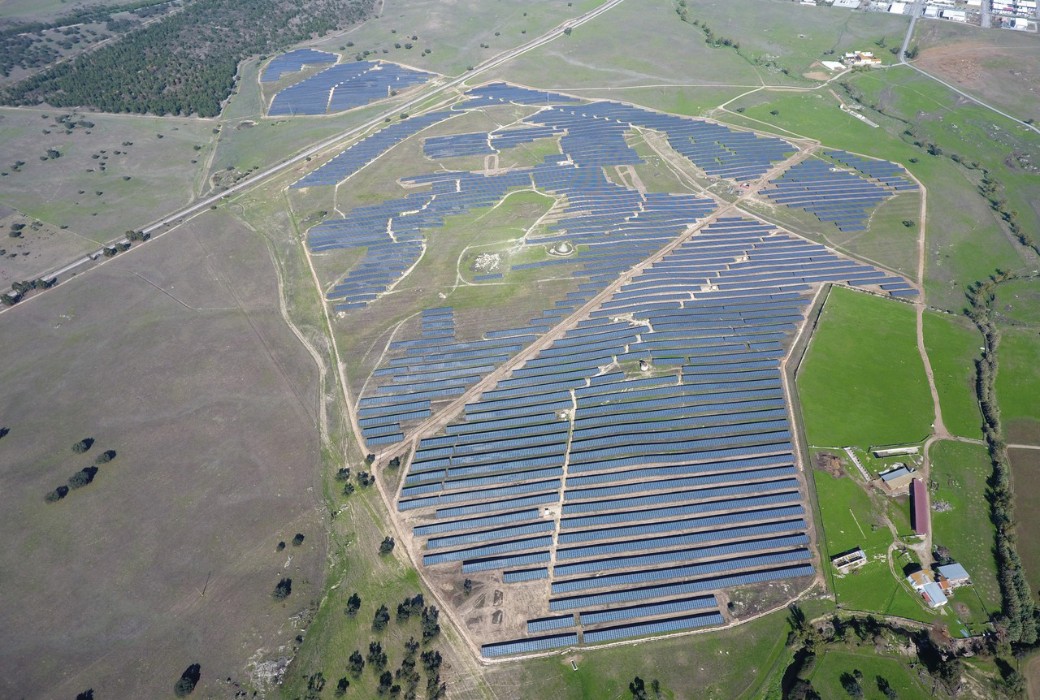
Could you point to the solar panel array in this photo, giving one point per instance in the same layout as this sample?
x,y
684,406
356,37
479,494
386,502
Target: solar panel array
x,y
886,172
293,62
363,152
830,194
345,86
634,490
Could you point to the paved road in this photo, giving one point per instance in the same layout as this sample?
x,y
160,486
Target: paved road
x,y
437,88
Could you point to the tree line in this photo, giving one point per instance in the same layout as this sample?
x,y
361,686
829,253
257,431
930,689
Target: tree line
x,y
1018,611
187,62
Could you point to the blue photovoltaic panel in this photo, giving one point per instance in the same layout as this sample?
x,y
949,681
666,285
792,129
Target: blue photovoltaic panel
x,y
657,627
527,646
293,62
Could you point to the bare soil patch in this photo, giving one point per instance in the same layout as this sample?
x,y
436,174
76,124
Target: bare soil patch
x,y
169,557
1010,78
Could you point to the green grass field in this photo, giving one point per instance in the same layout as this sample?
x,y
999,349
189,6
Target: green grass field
x,y
960,471
953,345
862,381
1018,385
826,677
1018,302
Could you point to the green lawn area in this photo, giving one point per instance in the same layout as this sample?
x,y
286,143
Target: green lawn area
x,y
1018,302
826,677
953,345
862,381
1018,385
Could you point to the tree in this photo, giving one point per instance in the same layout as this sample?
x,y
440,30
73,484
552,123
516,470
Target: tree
x,y
851,685
283,589
886,688
343,474
57,494
188,680
638,688
83,445
353,604
105,457
380,619
356,663
82,477
467,586
87,694
348,489
341,687
430,627
376,656
297,539
281,546
387,545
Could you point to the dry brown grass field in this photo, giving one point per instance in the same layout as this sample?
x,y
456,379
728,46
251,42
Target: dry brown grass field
x,y
174,355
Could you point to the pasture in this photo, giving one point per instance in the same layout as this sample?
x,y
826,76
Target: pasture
x,y
1025,465
953,346
175,356
862,381
960,471
1018,385
835,662
103,175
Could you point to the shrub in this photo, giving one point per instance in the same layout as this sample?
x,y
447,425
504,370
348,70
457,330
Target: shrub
x,y
83,445
82,477
105,457
281,546
188,680
57,494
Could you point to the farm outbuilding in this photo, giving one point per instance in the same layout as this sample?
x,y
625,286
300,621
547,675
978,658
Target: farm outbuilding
x,y
919,517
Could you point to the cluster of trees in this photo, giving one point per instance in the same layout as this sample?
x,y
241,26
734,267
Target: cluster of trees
x,y
1018,610
939,658
405,681
185,63
993,191
84,476
23,287
24,44
710,38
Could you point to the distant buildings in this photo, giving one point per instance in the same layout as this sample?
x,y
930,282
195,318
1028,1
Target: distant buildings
x,y
860,58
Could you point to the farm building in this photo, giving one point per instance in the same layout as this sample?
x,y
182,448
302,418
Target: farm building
x,y
919,517
953,576
897,480
882,452
861,58
924,583
849,561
